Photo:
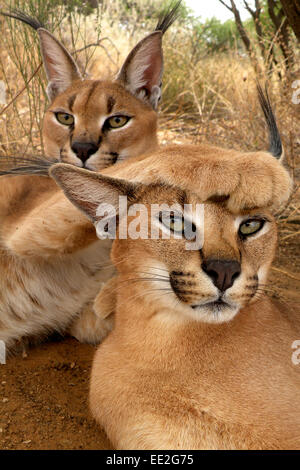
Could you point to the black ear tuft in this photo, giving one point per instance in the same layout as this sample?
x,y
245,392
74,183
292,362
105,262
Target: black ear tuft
x,y
275,146
21,16
168,16
61,69
13,166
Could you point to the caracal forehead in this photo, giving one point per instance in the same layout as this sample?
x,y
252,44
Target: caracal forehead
x,y
98,96
247,180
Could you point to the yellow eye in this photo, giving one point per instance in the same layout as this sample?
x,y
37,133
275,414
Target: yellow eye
x,y
117,121
173,222
65,118
251,226
176,224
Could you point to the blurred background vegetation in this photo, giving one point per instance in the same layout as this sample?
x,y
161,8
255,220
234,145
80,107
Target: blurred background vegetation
x,y
210,66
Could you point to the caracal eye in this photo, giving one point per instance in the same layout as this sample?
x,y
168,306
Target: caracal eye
x,y
173,222
177,224
251,226
117,121
65,118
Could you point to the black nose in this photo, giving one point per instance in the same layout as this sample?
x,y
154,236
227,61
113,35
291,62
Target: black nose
x,y
84,150
222,272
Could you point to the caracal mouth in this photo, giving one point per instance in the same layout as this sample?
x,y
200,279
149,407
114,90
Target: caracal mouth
x,y
217,304
218,311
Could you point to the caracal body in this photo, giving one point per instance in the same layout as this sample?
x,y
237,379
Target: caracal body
x,y
52,264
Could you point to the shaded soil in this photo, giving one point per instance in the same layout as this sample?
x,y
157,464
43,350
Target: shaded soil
x,y
43,399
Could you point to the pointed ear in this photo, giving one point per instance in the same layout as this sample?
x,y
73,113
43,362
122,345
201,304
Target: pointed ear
x,y
61,69
87,190
142,71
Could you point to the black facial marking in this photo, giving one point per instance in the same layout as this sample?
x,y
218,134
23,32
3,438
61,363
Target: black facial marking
x,y
183,282
113,157
91,90
71,102
218,198
180,284
251,286
110,104
252,294
181,273
181,197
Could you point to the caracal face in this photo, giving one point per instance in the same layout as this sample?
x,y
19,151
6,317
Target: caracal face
x,y
211,282
95,123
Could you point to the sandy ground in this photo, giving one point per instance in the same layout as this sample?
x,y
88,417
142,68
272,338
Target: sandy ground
x,y
43,399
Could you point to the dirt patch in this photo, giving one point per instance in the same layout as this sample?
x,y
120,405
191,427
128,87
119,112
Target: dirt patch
x,y
43,399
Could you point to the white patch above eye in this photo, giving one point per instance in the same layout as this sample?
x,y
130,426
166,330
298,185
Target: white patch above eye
x,y
102,120
53,117
238,220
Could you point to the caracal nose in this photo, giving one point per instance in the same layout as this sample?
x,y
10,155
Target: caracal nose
x,y
84,150
222,272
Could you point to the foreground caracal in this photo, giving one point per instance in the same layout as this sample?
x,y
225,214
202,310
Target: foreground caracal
x,y
199,357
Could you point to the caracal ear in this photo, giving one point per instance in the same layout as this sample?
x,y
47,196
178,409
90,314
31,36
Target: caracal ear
x,y
61,69
142,71
88,190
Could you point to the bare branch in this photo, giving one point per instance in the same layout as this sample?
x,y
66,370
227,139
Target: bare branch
x,y
292,10
225,5
248,8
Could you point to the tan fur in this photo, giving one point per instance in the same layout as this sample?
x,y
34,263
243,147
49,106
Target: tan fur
x,y
253,179
88,101
46,252
172,377
48,241
52,264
